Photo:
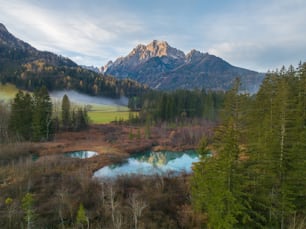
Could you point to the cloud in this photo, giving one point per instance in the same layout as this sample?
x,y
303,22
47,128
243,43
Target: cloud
x,y
259,34
74,30
258,37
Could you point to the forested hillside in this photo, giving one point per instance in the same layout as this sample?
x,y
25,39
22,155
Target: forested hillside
x,y
257,177
29,69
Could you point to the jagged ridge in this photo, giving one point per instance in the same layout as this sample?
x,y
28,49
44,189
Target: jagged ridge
x,y
163,67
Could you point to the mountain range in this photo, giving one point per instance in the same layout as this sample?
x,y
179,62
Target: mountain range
x,y
161,66
28,68
157,65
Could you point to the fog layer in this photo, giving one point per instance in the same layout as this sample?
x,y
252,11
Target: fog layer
x,y
77,97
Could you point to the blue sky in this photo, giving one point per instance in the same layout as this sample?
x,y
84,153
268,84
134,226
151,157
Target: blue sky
x,y
257,34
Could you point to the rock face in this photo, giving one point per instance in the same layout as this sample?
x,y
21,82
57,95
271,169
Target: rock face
x,y
163,67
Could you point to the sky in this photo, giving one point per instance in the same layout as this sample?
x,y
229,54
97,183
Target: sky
x,y
260,35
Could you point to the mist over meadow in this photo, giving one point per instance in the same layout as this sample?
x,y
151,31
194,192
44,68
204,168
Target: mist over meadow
x,y
80,98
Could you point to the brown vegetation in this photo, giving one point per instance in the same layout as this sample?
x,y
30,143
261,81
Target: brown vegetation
x,y
114,142
60,185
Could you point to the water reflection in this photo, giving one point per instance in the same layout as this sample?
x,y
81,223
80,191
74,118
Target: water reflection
x,y
150,163
81,154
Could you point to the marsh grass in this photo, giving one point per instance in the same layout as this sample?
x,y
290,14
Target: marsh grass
x,y
15,151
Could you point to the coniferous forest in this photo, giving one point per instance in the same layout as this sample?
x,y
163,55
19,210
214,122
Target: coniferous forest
x,y
251,172
257,177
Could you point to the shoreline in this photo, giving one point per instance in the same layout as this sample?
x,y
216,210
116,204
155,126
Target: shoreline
x,y
114,143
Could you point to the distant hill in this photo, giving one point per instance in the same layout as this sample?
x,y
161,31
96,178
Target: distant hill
x,y
21,52
163,67
28,68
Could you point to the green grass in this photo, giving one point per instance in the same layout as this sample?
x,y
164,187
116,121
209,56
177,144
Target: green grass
x,y
7,92
98,114
101,114
103,117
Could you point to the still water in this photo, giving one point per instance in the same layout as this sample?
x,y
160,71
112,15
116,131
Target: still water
x,y
81,154
150,163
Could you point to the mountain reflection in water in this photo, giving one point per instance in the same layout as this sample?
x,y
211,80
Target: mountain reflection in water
x,y
150,163
81,154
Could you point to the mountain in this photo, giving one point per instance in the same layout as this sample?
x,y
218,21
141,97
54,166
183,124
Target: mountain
x,y
28,68
10,45
91,68
163,67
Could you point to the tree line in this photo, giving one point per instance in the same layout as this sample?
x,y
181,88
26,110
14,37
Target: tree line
x,y
257,177
32,117
29,72
178,105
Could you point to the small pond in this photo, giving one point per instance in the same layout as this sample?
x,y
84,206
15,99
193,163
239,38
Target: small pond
x,y
81,154
150,163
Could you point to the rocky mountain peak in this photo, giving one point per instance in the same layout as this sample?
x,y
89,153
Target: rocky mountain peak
x,y
142,53
158,48
155,49
194,54
161,66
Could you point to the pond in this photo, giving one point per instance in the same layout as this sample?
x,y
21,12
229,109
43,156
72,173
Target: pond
x,y
81,154
151,163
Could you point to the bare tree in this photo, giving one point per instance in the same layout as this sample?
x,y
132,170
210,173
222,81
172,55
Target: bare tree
x,y
118,221
113,203
137,206
65,203
11,210
61,200
4,120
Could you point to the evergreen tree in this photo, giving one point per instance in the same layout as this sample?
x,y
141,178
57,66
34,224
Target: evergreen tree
x,y
4,119
79,119
219,182
66,118
42,115
277,149
20,122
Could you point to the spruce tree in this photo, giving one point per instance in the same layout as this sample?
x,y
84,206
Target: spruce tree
x,y
20,122
277,150
218,184
66,113
42,115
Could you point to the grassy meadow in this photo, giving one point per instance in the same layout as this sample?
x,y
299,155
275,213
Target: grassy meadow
x,y
7,92
98,113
